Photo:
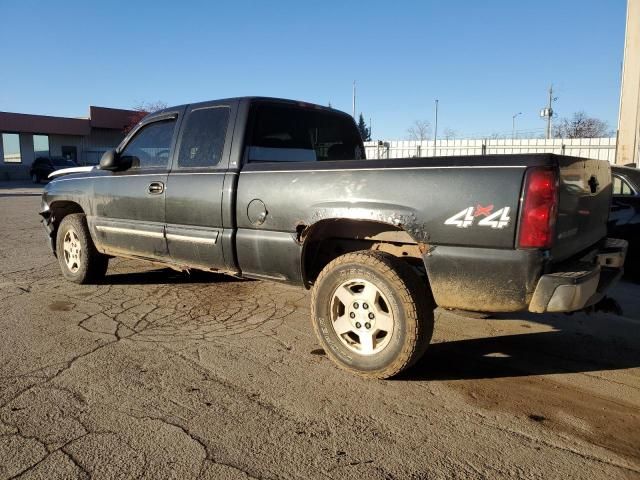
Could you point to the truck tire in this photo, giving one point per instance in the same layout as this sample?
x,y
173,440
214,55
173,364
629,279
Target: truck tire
x,y
372,313
79,260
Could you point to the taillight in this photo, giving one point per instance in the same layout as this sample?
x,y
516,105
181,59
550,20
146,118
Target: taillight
x,y
539,210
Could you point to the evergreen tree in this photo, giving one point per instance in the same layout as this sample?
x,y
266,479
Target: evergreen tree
x,y
365,132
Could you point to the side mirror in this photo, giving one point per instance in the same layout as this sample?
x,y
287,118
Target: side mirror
x,y
112,161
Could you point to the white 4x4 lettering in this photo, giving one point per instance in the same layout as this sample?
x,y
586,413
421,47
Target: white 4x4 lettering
x,y
465,218
491,221
461,219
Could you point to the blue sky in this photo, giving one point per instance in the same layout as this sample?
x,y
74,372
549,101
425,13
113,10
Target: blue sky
x,y
484,61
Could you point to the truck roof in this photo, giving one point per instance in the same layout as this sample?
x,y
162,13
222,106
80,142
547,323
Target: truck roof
x,y
300,103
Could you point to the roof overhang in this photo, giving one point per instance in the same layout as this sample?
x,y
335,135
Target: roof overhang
x,y
99,117
25,123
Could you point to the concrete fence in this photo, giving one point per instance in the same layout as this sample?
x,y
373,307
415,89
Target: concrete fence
x,y
598,148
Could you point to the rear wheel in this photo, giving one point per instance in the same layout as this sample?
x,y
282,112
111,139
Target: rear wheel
x,y
372,313
79,260
35,178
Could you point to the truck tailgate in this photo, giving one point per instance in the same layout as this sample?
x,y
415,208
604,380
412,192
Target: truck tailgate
x,y
583,208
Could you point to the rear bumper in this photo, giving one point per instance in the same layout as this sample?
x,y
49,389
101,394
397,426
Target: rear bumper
x,y
483,279
581,286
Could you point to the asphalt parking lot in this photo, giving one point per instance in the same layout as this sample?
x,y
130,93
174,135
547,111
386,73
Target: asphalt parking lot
x,y
158,374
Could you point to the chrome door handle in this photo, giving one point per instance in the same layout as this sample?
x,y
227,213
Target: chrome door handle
x,y
155,188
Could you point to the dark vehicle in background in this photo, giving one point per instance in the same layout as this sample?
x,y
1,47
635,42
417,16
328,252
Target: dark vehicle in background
x,y
281,190
43,166
624,219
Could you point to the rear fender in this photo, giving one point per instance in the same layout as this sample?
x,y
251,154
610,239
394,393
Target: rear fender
x,y
397,217
328,238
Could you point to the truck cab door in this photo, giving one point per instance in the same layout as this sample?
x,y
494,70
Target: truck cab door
x,y
195,195
130,204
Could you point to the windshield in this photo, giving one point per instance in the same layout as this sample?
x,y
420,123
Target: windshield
x,y
632,175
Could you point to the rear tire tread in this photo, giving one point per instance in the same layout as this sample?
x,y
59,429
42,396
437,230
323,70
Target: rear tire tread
x,y
415,297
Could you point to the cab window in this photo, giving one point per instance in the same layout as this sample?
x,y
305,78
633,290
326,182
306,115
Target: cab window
x,y
291,133
150,147
203,137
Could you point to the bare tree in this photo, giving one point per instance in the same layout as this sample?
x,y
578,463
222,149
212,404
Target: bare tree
x,y
419,130
142,109
449,134
581,126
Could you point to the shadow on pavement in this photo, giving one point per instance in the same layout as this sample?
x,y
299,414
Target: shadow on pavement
x,y
168,276
539,353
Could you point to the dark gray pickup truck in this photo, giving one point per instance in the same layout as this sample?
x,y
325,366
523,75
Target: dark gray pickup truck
x,y
281,190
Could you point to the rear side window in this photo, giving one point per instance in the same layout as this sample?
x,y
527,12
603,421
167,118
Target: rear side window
x,y
283,133
150,147
203,137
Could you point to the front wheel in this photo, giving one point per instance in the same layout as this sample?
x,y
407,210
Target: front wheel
x,y
79,260
372,313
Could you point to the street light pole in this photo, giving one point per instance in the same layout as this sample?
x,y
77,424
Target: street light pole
x,y
513,125
354,99
435,130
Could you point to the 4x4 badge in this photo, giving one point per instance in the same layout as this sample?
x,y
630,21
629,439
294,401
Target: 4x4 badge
x,y
465,218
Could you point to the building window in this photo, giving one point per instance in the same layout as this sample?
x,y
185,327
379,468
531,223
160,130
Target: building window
x,y
11,147
41,146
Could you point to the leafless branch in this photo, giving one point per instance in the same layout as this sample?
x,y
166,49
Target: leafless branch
x,y
419,130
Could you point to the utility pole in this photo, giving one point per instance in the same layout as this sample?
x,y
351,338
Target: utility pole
x,y
513,125
435,130
354,99
370,128
548,111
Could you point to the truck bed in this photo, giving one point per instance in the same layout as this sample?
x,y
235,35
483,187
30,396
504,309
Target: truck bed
x,y
430,198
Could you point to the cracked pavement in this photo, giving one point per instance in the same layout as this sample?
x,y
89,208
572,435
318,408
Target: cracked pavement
x,y
159,374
